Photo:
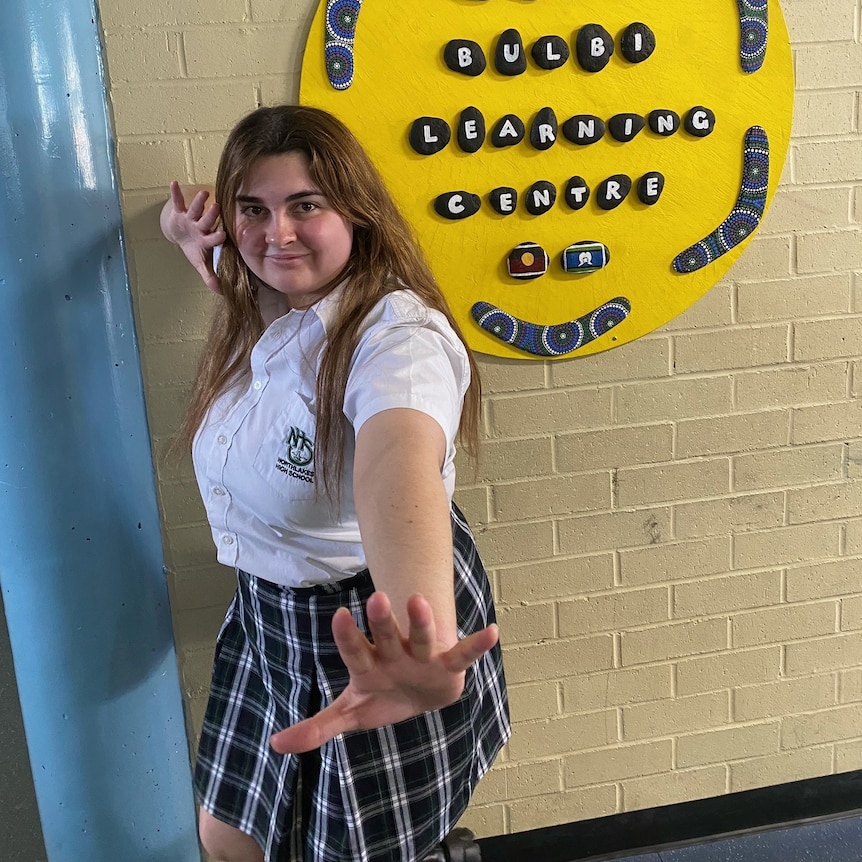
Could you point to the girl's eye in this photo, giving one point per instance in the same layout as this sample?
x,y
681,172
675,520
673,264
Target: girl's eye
x,y
251,211
307,207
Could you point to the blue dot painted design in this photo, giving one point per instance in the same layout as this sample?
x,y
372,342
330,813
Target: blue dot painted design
x,y
753,33
342,16
746,215
555,339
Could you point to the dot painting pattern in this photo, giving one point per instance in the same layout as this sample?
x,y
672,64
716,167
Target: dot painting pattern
x,y
499,123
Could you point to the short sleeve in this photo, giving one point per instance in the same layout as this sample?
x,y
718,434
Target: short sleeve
x,y
408,356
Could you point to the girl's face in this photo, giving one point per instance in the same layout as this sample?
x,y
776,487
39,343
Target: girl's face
x,y
287,232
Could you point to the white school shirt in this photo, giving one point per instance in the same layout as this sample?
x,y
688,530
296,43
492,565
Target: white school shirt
x,y
254,453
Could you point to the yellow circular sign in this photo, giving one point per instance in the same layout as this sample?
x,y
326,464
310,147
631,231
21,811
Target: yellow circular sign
x,y
632,147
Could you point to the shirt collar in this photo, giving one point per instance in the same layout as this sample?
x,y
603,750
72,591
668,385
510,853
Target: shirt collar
x,y
327,307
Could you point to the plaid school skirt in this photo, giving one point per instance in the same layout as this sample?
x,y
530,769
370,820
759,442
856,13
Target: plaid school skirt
x,y
385,795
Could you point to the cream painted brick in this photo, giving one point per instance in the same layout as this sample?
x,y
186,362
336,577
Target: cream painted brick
x,y
198,628
533,700
150,13
555,659
206,151
211,586
833,20
659,563
473,502
163,275
181,503
514,543
769,257
171,363
196,671
732,743
780,769
783,624
828,339
142,55
485,820
824,654
739,432
503,375
671,717
614,447
807,209
841,577
638,486
281,10
656,790
567,807
189,106
850,685
554,578
616,687
614,612
149,164
786,545
530,415
853,538
191,545
854,459
779,469
730,348
842,500
673,399
787,387
526,624
728,670
640,359
851,613
712,309
614,530
783,697
558,495
730,515
141,215
827,422
178,317
794,299
166,407
834,66
283,89
816,728
711,596
520,782
826,162
825,252
228,52
557,736
195,710
614,764
848,756
508,459
676,640
824,113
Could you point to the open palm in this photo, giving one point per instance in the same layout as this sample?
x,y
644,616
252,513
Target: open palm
x,y
391,679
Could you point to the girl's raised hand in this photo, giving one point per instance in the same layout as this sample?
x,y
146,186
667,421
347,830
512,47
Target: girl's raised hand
x,y
195,230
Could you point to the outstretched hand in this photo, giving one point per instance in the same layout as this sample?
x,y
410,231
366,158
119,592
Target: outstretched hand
x,y
392,679
193,229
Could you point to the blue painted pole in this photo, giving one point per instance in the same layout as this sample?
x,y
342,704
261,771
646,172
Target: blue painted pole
x,y
81,564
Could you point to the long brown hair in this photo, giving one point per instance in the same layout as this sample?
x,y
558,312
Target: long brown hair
x,y
385,257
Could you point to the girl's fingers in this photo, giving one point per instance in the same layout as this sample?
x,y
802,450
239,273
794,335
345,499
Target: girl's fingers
x,y
209,218
196,207
423,631
470,649
384,627
353,646
177,199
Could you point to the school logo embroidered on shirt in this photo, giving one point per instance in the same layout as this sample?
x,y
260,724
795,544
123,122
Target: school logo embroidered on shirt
x,y
299,454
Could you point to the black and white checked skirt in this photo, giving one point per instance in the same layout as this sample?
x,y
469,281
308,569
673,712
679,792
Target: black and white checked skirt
x,y
386,795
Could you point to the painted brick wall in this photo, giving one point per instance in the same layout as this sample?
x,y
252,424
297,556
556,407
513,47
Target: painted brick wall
x,y
676,547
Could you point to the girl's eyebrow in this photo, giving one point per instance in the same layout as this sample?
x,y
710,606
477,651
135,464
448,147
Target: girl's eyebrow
x,y
251,199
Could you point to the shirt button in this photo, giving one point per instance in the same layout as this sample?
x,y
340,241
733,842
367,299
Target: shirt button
x,y
218,492
222,439
228,540
257,384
